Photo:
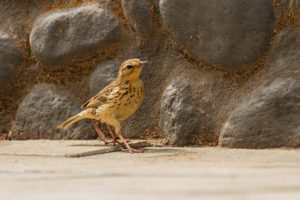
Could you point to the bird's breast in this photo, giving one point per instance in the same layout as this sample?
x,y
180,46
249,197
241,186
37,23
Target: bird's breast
x,y
130,101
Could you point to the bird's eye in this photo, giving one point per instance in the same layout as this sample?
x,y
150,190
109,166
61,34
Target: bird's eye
x,y
129,66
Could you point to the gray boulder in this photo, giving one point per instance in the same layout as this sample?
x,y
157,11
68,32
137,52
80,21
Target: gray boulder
x,y
177,120
60,36
284,59
226,33
270,115
42,110
138,14
10,59
103,75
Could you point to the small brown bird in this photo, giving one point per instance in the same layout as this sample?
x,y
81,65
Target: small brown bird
x,y
116,102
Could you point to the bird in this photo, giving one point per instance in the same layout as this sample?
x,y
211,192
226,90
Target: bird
x,y
115,103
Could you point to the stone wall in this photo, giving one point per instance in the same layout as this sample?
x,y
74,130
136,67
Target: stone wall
x,y
221,72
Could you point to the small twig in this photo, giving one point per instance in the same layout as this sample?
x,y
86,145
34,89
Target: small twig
x,y
95,152
137,145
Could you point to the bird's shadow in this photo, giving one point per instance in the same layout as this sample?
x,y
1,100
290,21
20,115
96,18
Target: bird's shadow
x,y
88,145
92,145
163,150
146,150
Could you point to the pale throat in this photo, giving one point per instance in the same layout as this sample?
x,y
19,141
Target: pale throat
x,y
130,77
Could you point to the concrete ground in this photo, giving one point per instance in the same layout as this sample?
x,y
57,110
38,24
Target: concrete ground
x,y
38,170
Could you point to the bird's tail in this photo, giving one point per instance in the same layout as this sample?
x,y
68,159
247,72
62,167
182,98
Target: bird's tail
x,y
72,120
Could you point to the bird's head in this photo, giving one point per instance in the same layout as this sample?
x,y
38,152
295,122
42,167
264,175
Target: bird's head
x,y
131,69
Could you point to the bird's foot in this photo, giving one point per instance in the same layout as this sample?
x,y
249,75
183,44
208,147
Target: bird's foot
x,y
128,148
132,150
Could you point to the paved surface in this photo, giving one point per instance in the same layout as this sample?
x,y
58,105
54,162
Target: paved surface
x,y
37,170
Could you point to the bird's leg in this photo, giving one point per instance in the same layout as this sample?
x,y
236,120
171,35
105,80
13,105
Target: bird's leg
x,y
113,135
129,149
100,133
116,124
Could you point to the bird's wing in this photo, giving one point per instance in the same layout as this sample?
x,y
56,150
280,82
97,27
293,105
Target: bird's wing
x,y
102,97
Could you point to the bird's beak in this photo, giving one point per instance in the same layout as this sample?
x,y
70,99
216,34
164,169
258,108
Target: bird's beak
x,y
143,63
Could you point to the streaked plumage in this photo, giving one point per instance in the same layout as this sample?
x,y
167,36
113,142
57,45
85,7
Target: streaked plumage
x,y
117,101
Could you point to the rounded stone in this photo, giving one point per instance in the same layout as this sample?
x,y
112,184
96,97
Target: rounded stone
x,y
177,118
138,14
226,33
103,75
10,59
42,110
268,118
60,36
